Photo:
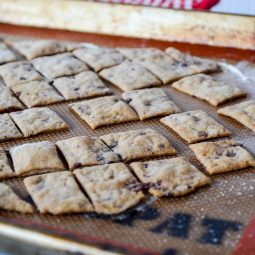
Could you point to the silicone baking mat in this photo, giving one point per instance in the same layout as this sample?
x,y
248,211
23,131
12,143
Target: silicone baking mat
x,y
209,221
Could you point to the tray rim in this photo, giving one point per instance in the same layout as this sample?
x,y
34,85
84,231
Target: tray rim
x,y
227,30
15,231
62,239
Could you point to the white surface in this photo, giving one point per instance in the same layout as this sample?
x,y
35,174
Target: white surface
x,y
236,6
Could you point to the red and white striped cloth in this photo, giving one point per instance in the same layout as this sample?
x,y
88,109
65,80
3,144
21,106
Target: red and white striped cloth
x,y
178,4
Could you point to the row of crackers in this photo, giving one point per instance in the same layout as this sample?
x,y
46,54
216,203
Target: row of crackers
x,y
128,69
223,150
108,186
192,126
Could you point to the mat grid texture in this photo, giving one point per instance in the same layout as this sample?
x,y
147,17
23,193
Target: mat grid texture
x,y
209,221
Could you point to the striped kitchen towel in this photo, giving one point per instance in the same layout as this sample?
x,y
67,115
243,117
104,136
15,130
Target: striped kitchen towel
x,y
178,4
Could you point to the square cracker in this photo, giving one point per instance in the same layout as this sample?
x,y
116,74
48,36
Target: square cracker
x,y
149,103
18,72
6,54
10,201
154,60
57,193
164,66
224,156
205,87
86,151
108,187
38,120
104,111
34,158
195,126
83,85
191,64
36,48
169,177
5,167
8,130
129,76
136,144
99,58
243,112
64,64
8,102
37,93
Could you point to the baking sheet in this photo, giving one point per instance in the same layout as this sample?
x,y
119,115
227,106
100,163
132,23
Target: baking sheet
x,y
209,221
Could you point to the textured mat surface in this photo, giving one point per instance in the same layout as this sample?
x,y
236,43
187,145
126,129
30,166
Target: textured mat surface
x,y
209,221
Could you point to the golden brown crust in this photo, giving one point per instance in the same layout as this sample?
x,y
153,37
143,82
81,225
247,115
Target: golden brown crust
x,y
224,156
31,158
36,48
108,187
206,88
136,144
86,151
84,85
57,193
64,64
11,202
38,120
37,93
243,112
104,111
195,126
6,54
99,58
129,76
170,177
149,103
169,66
18,72
8,102
8,130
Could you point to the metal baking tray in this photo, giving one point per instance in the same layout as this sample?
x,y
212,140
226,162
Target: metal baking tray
x,y
209,221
